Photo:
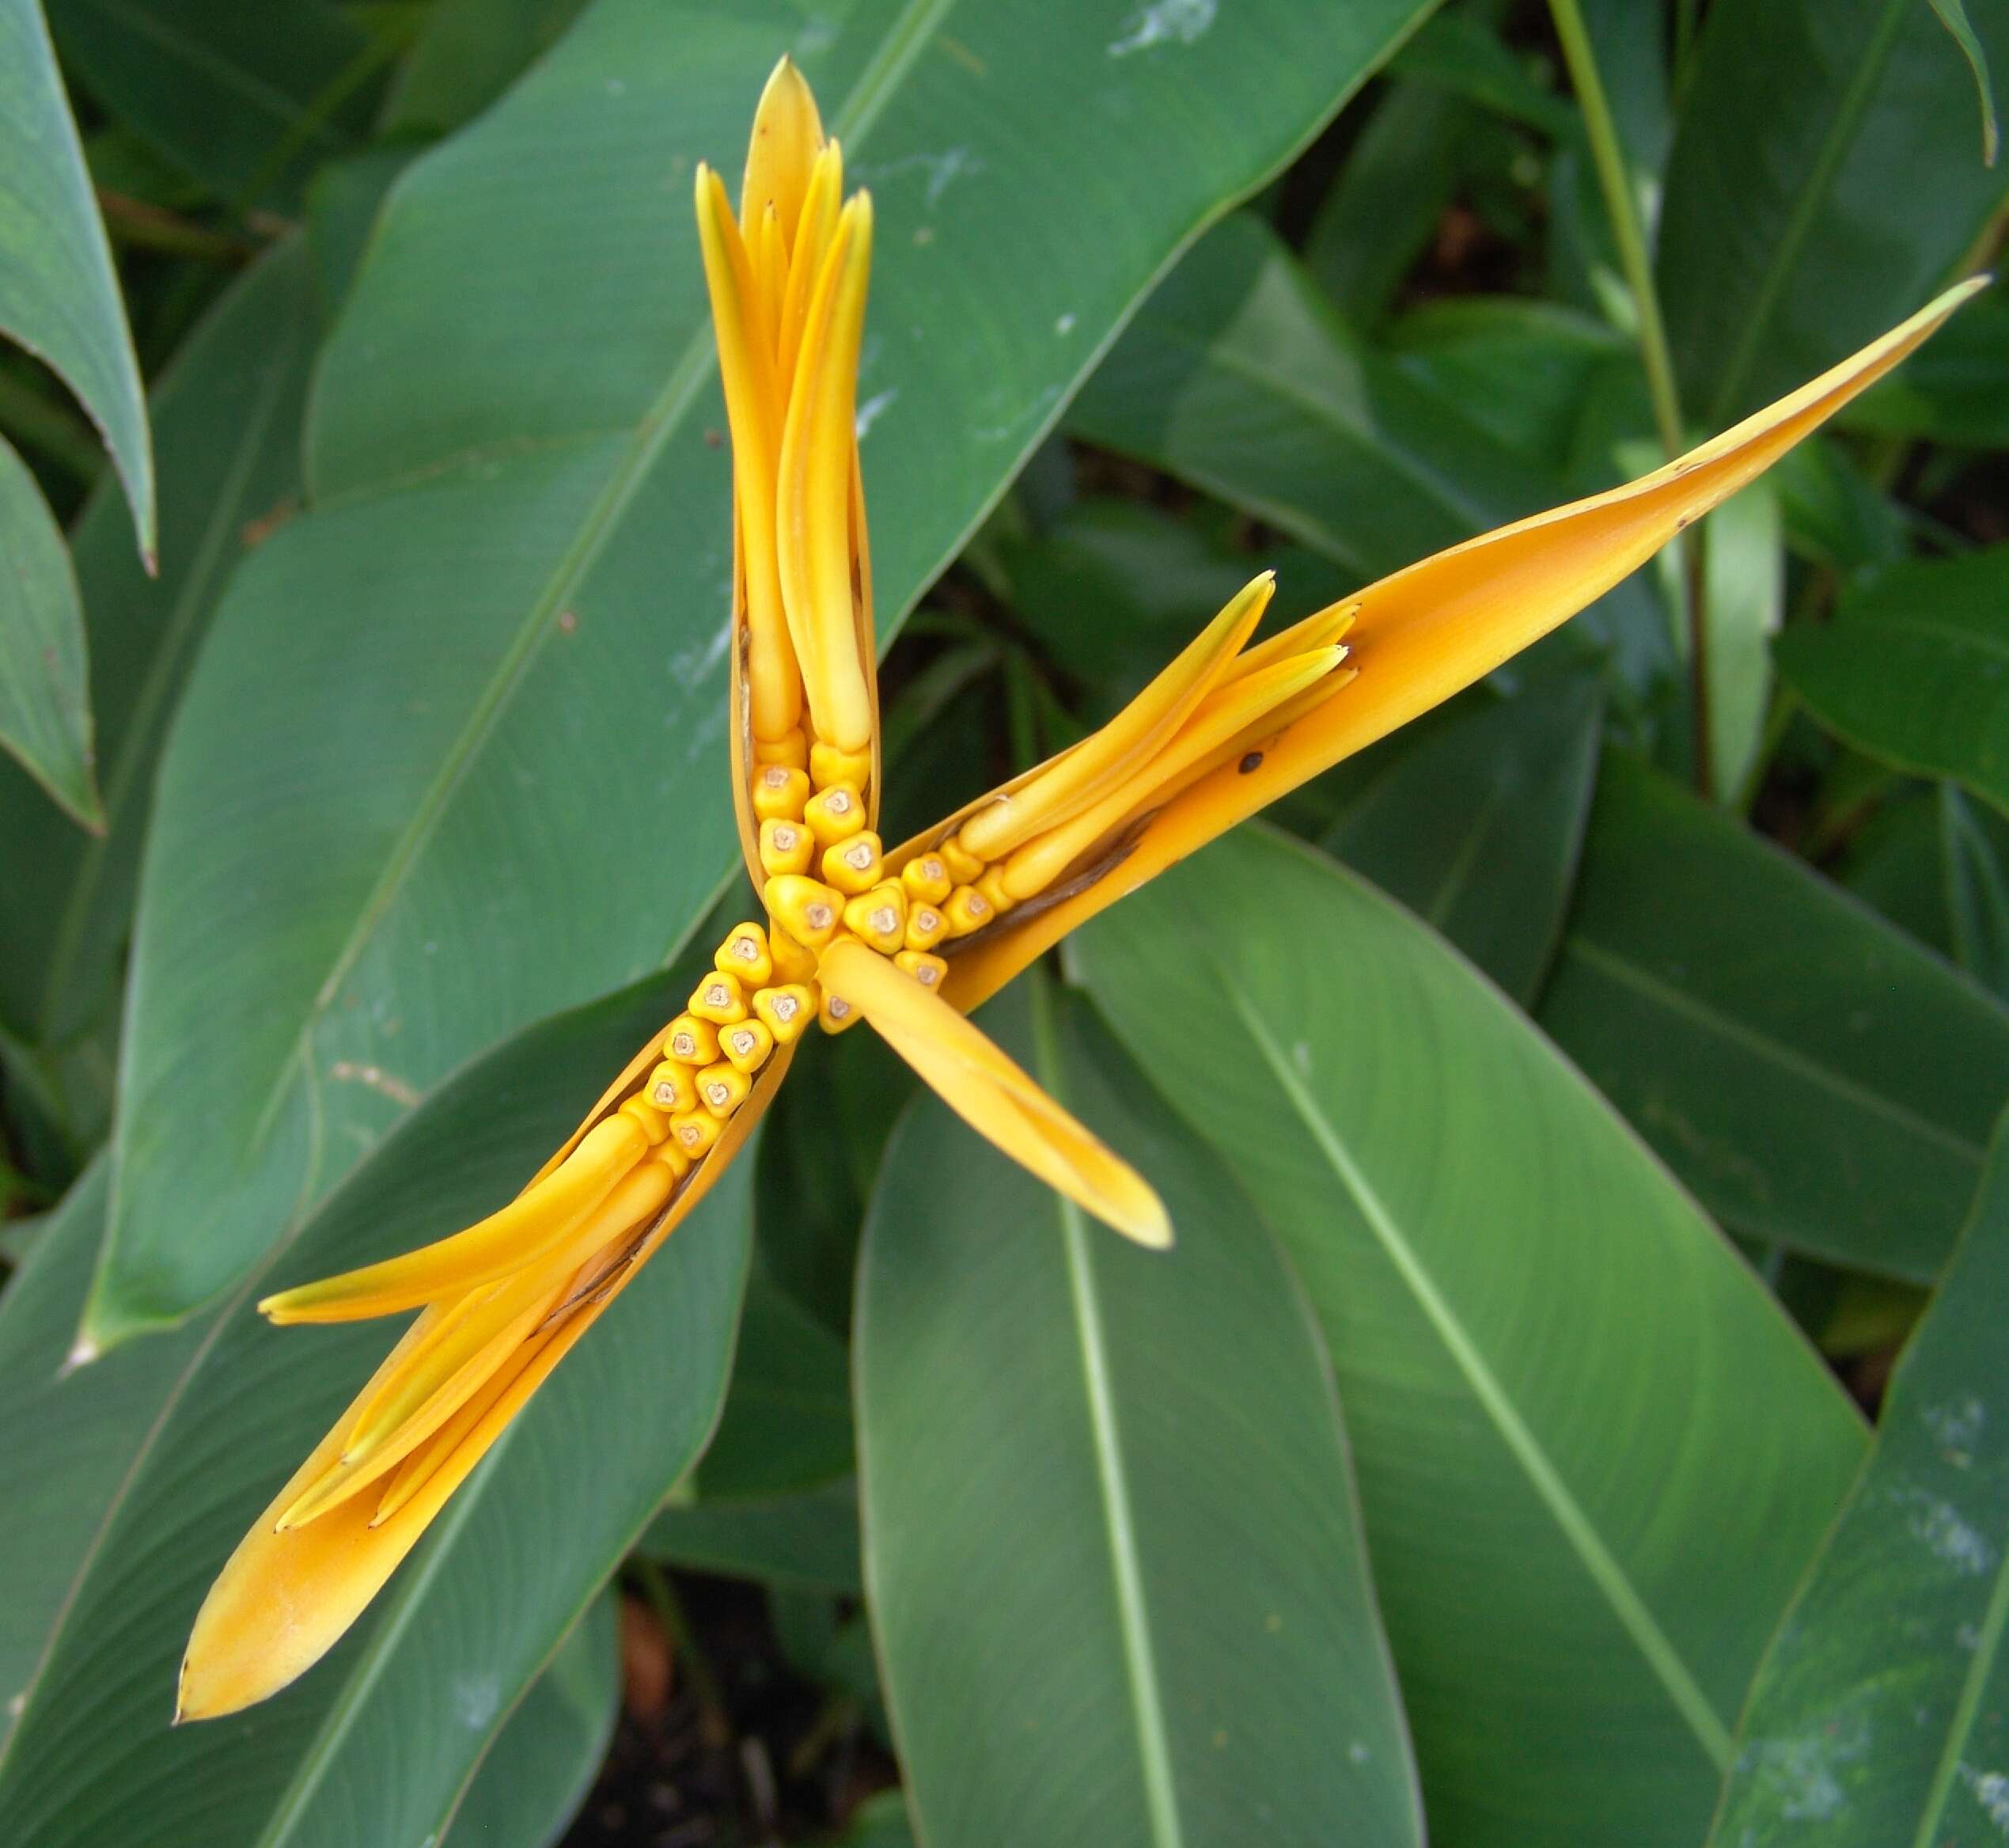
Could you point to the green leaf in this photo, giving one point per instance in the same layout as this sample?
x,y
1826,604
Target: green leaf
x,y
1953,16
1821,186
188,1434
1975,844
1819,1081
1954,390
249,99
1521,369
881,1822
1744,569
484,680
1111,1545
806,1537
59,297
468,53
226,415
1914,669
787,1422
543,1763
1476,829
45,702
1882,1712
1238,376
1456,52
1548,1358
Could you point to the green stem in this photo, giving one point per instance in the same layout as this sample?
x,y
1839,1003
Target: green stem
x,y
1615,181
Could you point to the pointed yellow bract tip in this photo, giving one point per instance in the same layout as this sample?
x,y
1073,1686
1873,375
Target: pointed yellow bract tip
x,y
787,136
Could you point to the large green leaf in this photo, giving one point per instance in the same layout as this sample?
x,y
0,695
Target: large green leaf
x,y
484,684
45,703
1826,176
59,297
248,100
1477,828
129,1481
1582,1532
1238,376
1113,1557
543,1761
226,416
1915,668
805,1538
1880,1715
1817,1078
1974,851
471,52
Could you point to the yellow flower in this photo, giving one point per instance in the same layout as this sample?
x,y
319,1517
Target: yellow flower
x,y
909,939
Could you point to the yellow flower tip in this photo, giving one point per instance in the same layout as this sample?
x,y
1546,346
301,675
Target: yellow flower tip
x,y
787,136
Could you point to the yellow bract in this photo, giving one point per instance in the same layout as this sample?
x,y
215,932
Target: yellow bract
x,y
904,939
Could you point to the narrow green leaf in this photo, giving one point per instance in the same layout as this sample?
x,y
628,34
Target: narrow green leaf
x,y
248,100
130,1480
1821,186
543,1763
1547,1356
59,297
1953,16
1819,1080
1881,1716
1476,829
1111,1545
45,701
879,1823
226,415
484,679
1975,850
1744,595
1914,669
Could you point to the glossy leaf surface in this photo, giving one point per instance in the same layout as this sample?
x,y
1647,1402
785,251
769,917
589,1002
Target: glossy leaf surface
x,y
510,604
1111,1545
188,1434
1881,1713
1814,1077
1547,1356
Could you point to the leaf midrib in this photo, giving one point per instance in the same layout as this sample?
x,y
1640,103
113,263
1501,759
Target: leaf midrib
x,y
1153,1746
1604,1570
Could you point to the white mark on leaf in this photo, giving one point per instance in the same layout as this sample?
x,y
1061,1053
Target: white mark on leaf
x,y
1182,22
476,1699
1939,1524
1301,1057
1064,326
874,407
1990,1791
939,171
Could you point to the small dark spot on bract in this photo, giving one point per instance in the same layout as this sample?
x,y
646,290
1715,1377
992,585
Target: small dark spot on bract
x,y
1252,762
713,439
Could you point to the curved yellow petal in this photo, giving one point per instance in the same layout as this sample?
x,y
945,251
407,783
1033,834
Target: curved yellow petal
x,y
284,1598
536,1221
787,135
1076,778
990,1093
813,516
1436,627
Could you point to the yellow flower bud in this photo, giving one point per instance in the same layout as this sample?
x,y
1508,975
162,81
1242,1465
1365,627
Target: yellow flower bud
x,y
694,1131
669,1088
718,998
809,911
926,927
722,1089
968,910
929,971
647,1117
835,814
854,865
829,766
786,1010
879,917
744,954
691,1040
779,793
793,963
927,879
785,847
748,1044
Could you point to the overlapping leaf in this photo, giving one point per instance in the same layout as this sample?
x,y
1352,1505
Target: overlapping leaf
x,y
1548,1358
1882,1712
485,680
1819,1080
1113,1559
129,1481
